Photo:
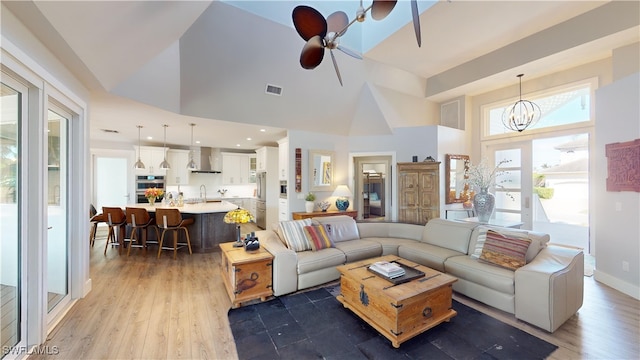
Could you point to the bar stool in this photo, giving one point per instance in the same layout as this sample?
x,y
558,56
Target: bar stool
x,y
171,220
116,220
94,219
139,219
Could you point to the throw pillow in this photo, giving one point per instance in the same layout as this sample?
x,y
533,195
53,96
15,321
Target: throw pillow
x,y
482,236
318,237
294,236
505,251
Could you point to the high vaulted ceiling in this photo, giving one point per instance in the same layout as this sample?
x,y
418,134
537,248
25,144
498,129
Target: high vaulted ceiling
x,y
208,62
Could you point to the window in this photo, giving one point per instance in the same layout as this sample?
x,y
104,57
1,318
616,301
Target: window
x,y
567,105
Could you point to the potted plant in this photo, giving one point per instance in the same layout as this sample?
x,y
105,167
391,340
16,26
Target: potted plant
x,y
309,202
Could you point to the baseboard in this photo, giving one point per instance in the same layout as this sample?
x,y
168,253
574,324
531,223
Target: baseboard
x,y
87,287
620,285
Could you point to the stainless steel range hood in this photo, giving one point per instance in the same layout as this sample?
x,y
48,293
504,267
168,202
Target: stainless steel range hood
x,y
209,161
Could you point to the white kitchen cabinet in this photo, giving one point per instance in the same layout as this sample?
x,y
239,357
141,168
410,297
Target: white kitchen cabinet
x,y
151,156
239,202
283,210
252,169
261,159
235,169
283,159
178,174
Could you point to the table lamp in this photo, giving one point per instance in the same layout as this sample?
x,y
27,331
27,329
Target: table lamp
x,y
238,216
343,194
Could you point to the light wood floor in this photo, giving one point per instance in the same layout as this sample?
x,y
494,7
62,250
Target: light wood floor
x,y
142,307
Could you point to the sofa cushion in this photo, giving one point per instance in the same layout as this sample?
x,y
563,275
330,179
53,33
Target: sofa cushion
x,y
309,261
538,240
505,251
493,277
294,236
426,254
318,237
340,228
453,235
358,249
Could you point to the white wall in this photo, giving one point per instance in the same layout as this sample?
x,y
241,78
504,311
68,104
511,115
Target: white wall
x,y
617,214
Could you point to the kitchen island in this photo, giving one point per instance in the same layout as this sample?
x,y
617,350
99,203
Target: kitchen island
x,y
208,229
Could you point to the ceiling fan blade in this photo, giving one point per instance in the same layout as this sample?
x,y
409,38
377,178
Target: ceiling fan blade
x,y
312,53
337,22
335,66
308,22
381,8
416,21
349,52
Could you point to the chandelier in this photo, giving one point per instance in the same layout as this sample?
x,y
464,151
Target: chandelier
x,y
522,114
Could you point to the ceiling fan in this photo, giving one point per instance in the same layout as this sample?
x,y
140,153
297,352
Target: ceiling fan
x,y
321,33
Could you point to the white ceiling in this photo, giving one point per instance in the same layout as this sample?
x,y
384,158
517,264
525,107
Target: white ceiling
x,y
129,54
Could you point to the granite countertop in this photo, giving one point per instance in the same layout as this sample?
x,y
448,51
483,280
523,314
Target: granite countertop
x,y
201,208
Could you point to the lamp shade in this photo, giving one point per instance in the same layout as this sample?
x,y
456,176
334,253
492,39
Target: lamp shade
x,y
343,194
238,216
342,191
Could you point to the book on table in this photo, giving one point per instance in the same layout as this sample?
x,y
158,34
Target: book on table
x,y
388,269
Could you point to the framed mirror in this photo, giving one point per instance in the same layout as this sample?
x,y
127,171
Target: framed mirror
x,y
455,169
321,170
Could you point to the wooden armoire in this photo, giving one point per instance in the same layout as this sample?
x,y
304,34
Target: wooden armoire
x,y
418,191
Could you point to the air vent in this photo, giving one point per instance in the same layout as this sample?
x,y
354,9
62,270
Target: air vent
x,y
110,131
274,90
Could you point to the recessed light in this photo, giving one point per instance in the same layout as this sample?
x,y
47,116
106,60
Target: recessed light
x,y
263,130
248,139
149,138
197,141
238,145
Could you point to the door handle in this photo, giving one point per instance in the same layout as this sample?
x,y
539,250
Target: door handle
x,y
526,202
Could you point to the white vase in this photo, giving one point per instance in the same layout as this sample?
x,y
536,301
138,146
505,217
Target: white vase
x,y
309,205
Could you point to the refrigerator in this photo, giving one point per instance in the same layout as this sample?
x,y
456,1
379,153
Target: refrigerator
x,y
261,197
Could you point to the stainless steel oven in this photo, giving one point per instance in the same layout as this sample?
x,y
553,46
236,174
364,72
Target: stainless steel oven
x,y
144,182
283,189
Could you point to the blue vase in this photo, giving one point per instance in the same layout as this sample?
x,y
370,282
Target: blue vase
x,y
342,204
483,203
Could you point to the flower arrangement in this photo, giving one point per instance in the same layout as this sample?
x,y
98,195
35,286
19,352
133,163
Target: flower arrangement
x,y
481,176
310,197
153,193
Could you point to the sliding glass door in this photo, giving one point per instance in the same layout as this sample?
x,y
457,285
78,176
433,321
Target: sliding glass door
x,y
12,278
57,209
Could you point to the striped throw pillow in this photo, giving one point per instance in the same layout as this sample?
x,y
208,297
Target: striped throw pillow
x,y
505,251
318,237
294,236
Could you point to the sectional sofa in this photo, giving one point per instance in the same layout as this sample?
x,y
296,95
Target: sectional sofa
x,y
545,292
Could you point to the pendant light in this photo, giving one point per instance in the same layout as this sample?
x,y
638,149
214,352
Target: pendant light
x,y
192,164
522,114
139,164
164,165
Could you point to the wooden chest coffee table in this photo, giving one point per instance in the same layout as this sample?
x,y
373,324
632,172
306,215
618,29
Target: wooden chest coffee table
x,y
246,274
399,312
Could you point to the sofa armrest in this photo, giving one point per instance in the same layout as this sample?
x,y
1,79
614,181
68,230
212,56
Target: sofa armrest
x,y
549,289
285,263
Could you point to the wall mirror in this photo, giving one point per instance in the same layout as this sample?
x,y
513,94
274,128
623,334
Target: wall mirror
x,y
321,170
455,169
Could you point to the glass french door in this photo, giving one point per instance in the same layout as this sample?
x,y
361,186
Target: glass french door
x,y
57,207
546,186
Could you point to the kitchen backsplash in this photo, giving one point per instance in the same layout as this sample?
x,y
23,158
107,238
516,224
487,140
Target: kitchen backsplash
x,y
213,183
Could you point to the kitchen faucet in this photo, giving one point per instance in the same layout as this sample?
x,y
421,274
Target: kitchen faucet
x,y
203,187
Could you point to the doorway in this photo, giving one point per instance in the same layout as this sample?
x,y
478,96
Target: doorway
x,y
113,181
373,183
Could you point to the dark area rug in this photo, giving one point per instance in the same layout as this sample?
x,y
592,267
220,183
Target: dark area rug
x,y
314,325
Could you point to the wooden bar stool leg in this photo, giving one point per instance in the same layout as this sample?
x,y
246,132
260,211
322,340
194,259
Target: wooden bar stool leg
x,y
175,244
109,239
160,243
186,234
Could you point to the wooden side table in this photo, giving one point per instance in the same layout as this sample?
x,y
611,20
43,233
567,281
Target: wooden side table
x,y
247,275
306,215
